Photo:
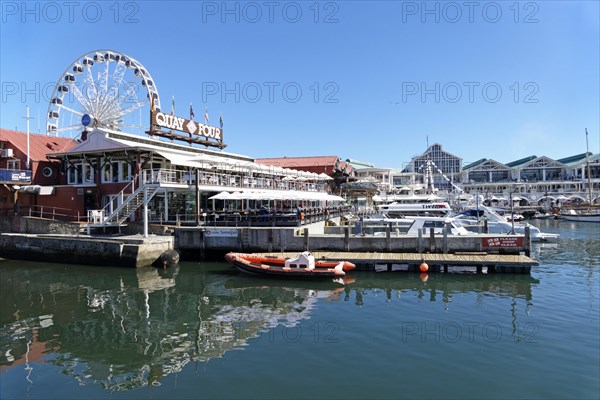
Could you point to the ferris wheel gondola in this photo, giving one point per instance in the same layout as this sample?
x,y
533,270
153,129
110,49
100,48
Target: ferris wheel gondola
x,y
102,89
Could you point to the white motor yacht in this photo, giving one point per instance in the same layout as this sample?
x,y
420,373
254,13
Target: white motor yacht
x,y
376,225
472,218
399,210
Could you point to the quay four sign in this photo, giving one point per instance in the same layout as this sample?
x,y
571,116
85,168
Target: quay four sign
x,y
197,132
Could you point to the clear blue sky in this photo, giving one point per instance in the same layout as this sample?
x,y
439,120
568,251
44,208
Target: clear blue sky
x,y
500,80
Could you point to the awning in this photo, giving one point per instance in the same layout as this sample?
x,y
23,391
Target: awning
x,y
277,195
37,189
221,196
180,159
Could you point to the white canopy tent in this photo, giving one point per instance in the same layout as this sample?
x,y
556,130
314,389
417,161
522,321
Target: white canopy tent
x,y
221,196
276,195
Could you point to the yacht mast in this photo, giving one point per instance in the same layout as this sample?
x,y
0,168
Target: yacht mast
x,y
587,158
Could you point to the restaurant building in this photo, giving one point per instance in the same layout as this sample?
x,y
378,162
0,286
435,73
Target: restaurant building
x,y
108,178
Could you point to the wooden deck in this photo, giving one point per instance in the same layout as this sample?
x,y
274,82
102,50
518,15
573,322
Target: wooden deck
x,y
436,262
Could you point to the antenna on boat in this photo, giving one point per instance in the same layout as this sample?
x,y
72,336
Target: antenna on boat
x,y
428,169
587,158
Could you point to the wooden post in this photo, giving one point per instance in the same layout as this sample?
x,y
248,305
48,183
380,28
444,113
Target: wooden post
x,y
431,240
445,238
347,238
527,241
306,241
388,242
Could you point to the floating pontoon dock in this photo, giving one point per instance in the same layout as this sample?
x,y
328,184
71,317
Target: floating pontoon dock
x,y
436,262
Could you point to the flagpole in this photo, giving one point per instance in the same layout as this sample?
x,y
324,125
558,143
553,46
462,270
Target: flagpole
x,y
587,158
28,159
27,117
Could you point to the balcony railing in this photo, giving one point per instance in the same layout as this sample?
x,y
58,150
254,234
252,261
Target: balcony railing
x,y
224,181
15,176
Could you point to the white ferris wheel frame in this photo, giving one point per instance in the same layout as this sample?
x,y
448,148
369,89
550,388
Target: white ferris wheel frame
x,y
99,99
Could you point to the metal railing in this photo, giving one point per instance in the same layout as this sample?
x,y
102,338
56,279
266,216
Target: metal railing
x,y
244,218
47,212
225,180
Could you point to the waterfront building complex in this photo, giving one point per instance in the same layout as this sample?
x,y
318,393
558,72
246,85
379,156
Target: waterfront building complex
x,y
533,178
70,178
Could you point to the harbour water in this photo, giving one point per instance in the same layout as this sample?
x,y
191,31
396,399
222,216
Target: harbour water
x,y
202,330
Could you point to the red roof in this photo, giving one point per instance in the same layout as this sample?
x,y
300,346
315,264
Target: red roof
x,y
39,145
290,162
317,164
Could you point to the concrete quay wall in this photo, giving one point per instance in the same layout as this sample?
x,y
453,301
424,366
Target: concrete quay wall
x,y
119,252
202,241
21,224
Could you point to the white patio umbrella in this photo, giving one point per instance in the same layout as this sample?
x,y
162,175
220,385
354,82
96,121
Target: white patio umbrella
x,y
238,196
332,197
221,196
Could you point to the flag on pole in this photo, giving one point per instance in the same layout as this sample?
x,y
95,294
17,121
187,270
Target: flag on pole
x,y
191,112
173,106
206,116
221,121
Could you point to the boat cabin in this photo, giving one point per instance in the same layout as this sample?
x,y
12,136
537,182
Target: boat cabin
x,y
304,260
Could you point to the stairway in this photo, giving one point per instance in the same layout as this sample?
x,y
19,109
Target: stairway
x,y
129,205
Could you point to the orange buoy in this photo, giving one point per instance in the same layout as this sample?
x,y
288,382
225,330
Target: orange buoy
x,y
424,267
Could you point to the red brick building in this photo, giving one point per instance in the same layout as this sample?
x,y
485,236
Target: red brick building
x,y
28,178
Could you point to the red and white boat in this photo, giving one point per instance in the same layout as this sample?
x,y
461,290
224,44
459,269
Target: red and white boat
x,y
303,267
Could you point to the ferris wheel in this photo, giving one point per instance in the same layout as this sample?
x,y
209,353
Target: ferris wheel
x,y
102,89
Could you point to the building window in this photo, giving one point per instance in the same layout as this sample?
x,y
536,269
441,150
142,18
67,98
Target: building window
x,y
125,171
79,173
13,164
116,171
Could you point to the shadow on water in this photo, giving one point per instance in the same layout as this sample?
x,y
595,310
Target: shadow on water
x,y
123,329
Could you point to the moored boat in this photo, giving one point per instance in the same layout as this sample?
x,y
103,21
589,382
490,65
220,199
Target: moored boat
x,y
581,215
302,267
394,210
472,218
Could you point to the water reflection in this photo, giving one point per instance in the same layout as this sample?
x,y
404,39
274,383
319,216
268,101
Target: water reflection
x,y
578,243
442,287
125,329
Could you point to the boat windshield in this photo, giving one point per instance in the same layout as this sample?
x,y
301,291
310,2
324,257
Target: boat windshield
x,y
456,224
